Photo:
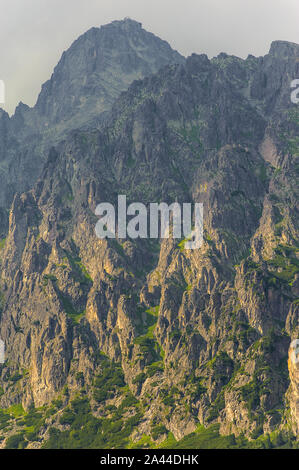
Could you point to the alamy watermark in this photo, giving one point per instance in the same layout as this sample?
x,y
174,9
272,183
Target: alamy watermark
x,y
2,352
295,93
294,351
153,221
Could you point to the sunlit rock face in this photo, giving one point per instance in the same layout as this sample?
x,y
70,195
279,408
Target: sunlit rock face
x,y
195,336
294,387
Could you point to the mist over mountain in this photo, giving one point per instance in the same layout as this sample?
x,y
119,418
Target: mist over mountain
x,y
115,343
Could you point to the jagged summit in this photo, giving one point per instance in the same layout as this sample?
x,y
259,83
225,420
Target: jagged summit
x,y
89,77
196,336
117,342
98,66
127,22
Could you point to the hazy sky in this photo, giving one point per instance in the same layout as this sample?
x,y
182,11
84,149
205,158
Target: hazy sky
x,y
34,33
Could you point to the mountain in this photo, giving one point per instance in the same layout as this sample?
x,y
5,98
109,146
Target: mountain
x,y
115,343
98,66
90,75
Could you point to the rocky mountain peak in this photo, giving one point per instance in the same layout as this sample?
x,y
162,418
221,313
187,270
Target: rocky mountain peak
x,y
284,49
98,66
127,24
111,341
91,74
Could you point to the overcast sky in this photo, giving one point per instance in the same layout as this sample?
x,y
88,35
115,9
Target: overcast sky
x,y
34,33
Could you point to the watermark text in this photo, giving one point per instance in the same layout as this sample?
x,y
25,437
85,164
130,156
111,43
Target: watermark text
x,y
153,221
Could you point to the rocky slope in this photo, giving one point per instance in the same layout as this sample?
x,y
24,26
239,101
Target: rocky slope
x,y
136,342
90,75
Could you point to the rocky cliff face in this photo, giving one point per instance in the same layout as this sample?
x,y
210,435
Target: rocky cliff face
x,y
90,75
145,337
294,387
